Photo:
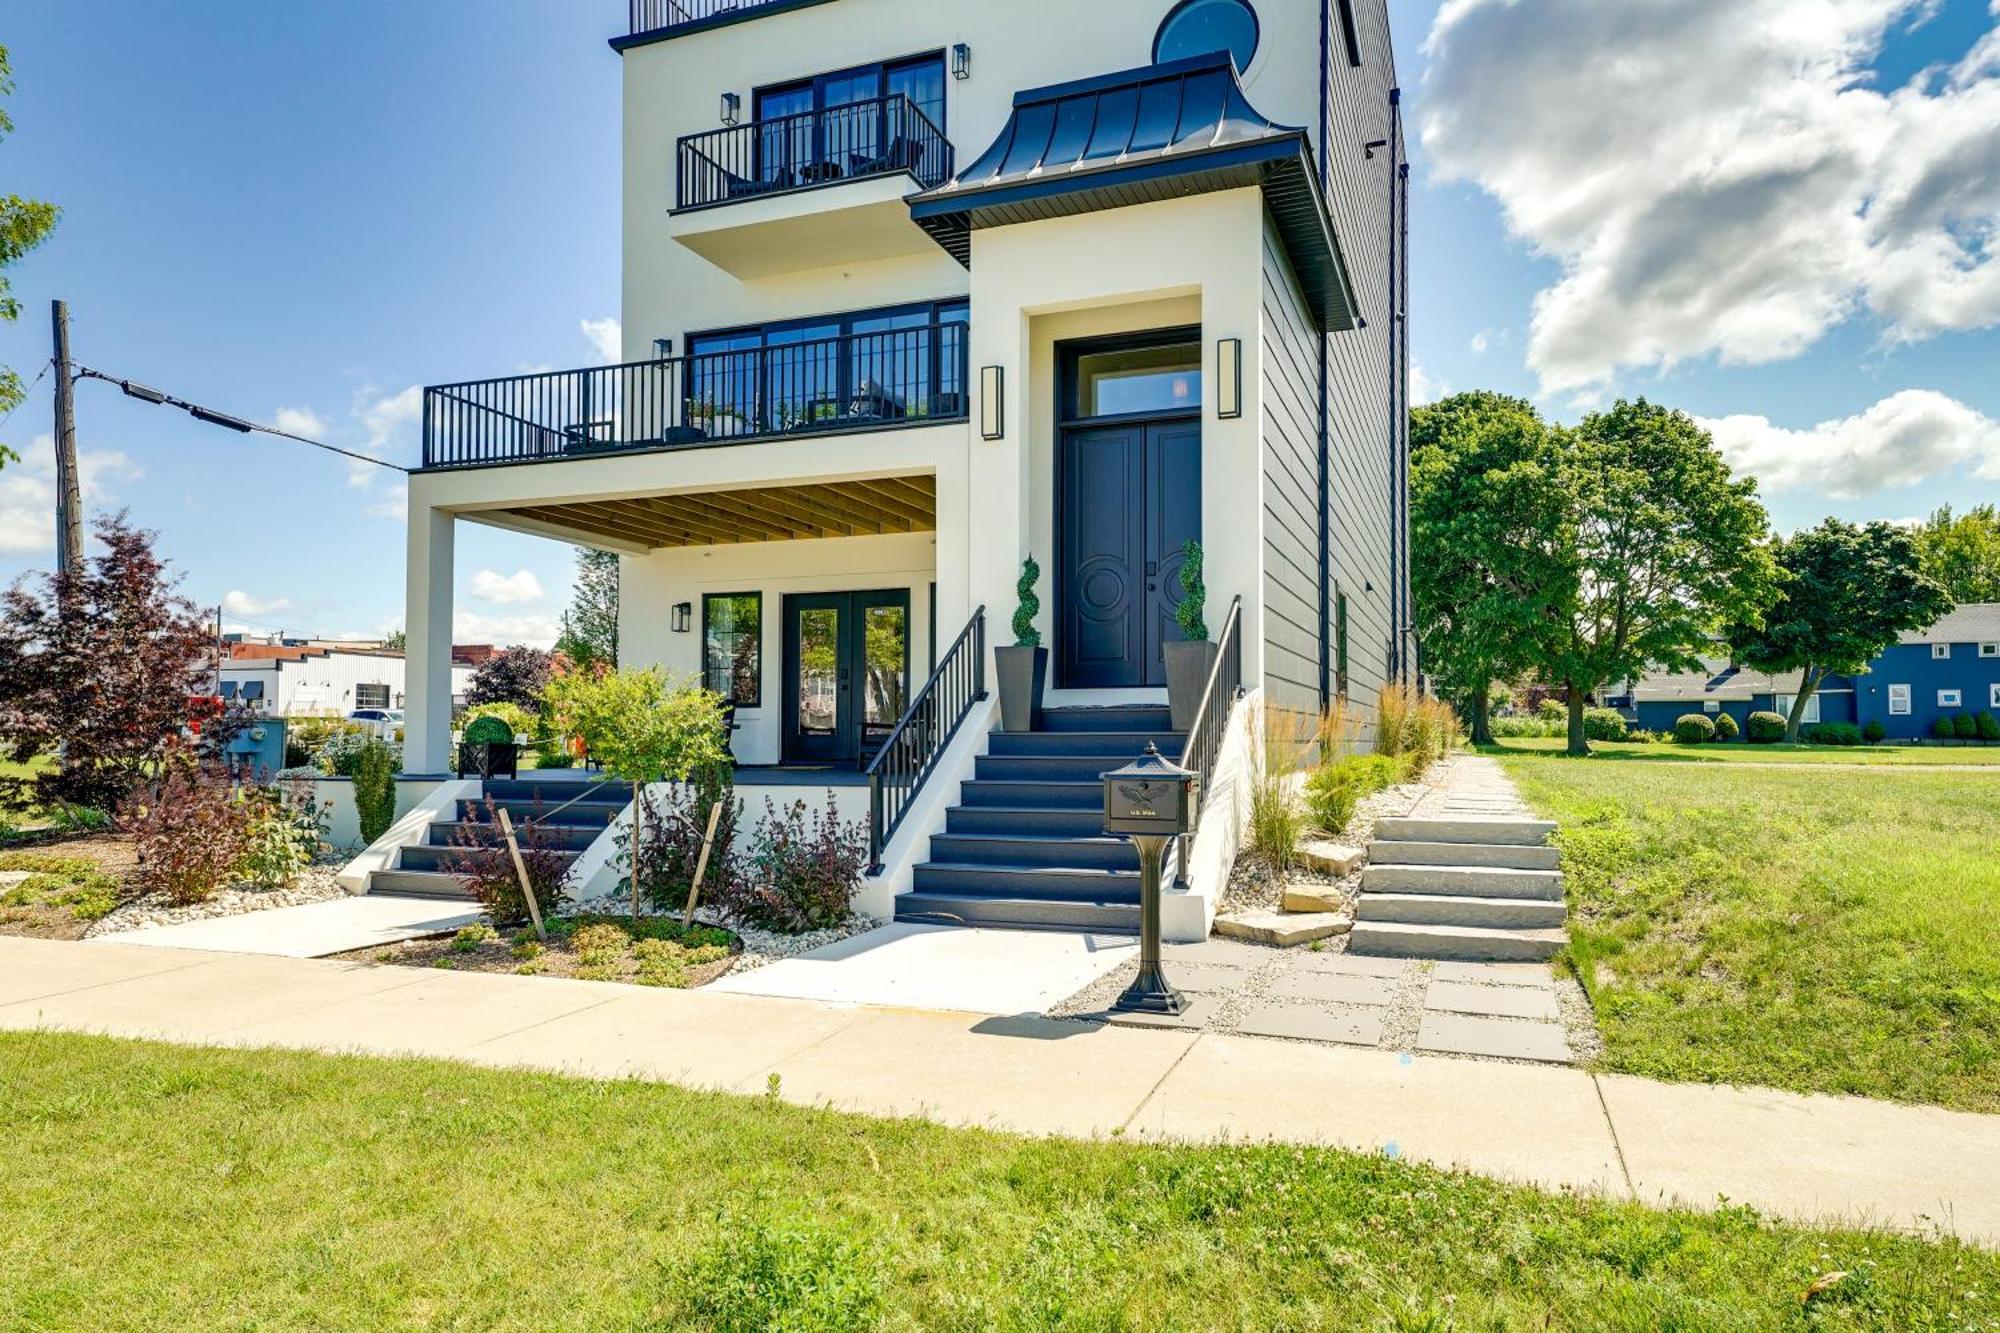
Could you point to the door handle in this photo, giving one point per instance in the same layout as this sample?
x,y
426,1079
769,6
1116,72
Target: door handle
x,y
1152,568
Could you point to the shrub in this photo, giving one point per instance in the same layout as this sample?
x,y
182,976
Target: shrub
x,y
1874,732
1965,728
1987,725
1277,821
487,871
1333,790
487,729
340,755
374,775
1831,733
1941,729
469,938
674,825
800,875
283,833
1693,729
1512,727
1189,614
189,833
1604,724
1027,606
1765,728
1422,727
1725,727
519,721
1640,736
1552,710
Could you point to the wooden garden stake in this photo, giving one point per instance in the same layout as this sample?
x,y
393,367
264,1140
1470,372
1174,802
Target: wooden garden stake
x,y
701,865
521,869
638,828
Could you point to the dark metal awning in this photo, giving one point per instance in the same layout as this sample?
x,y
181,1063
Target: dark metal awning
x,y
1160,132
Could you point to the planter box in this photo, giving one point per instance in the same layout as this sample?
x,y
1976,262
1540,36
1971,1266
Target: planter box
x,y
1023,674
1188,665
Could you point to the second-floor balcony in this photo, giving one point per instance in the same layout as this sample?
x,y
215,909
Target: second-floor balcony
x,y
881,136
856,382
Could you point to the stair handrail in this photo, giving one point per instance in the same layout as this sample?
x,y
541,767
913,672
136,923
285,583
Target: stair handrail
x,y
1211,716
910,753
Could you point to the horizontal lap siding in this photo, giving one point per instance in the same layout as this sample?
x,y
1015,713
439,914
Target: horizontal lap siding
x,y
1290,429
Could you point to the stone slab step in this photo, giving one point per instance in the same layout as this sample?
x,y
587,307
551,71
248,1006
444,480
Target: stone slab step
x,y
418,884
1331,858
1263,926
1478,944
1440,909
1508,832
1462,854
1017,913
1464,881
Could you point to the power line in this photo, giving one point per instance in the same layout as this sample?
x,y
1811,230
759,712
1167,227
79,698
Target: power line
x,y
242,425
28,392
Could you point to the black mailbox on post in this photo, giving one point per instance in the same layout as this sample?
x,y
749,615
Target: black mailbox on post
x,y
1151,795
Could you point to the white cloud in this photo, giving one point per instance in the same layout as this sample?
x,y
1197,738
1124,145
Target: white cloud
x,y
1718,178
388,422
606,336
239,603
300,421
1479,343
536,631
1907,438
395,505
506,589
1424,389
28,492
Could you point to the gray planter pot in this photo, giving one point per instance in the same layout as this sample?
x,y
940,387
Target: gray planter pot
x,y
1023,673
1188,665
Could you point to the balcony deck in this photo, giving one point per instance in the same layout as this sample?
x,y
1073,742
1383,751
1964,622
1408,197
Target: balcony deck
x,y
658,20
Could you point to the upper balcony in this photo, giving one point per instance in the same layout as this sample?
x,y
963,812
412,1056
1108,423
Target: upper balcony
x,y
856,382
749,197
656,20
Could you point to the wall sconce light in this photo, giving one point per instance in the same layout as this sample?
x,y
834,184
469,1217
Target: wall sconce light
x,y
683,617
961,61
732,108
992,411
663,348
1229,378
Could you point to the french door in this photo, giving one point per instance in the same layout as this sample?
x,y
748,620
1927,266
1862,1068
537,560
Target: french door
x,y
847,673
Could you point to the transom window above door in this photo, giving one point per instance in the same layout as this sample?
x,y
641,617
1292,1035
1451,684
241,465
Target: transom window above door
x,y
1156,377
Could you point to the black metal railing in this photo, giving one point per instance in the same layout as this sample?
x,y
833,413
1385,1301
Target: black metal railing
x,y
656,15
911,751
857,381
1218,697
878,137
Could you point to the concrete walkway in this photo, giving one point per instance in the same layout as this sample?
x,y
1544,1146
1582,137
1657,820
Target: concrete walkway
x,y
316,930
1802,1157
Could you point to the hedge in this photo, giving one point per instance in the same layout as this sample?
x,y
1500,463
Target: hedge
x,y
1965,728
1874,733
1765,728
1989,725
1604,724
1693,729
1725,727
1831,733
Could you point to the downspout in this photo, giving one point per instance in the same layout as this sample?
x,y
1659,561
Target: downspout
x,y
1395,432
1325,459
1402,372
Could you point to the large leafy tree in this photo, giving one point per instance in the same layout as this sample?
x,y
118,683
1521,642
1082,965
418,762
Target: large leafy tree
x,y
590,625
24,224
1847,594
1962,552
1493,554
1670,550
517,676
99,665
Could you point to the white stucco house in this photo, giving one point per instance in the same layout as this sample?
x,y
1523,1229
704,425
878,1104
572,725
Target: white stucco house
x,y
916,290
319,681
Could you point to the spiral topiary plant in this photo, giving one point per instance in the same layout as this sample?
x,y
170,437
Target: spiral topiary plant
x,y
1025,633
1190,615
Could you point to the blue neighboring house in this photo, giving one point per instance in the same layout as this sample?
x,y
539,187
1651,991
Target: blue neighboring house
x,y
1952,667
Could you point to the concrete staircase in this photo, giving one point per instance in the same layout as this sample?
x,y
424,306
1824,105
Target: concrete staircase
x,y
1461,887
1025,846
423,872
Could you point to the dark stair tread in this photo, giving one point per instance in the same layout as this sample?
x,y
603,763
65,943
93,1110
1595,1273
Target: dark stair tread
x,y
921,905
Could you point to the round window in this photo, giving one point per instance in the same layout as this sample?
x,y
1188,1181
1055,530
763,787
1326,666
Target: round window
x,y
1196,27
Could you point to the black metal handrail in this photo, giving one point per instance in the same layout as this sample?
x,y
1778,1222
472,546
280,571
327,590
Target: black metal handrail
x,y
657,15
905,761
1218,697
857,381
876,137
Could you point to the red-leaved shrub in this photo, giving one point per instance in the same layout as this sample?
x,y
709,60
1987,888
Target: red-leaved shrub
x,y
190,831
798,875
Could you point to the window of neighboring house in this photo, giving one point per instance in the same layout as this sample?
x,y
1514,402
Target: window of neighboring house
x,y
373,695
1989,650
1784,706
732,653
1949,698
900,362
1711,705
1940,651
833,125
1899,700
1993,694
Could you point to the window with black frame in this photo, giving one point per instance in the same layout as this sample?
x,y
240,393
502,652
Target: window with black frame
x,y
850,123
732,654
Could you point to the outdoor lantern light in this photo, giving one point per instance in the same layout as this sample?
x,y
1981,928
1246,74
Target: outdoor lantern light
x,y
663,348
961,61
683,617
1229,378
732,108
992,412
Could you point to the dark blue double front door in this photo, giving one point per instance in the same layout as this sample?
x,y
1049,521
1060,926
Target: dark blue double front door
x,y
1128,500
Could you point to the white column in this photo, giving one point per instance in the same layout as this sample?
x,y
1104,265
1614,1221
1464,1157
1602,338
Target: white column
x,y
427,627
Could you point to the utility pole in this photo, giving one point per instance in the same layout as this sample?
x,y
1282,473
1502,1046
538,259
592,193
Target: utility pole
x,y
69,494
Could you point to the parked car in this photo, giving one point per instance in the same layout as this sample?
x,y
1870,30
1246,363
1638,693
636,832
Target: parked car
x,y
384,722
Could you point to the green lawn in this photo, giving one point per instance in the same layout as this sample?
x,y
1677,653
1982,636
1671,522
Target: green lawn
x,y
154,1187
1823,929
1739,752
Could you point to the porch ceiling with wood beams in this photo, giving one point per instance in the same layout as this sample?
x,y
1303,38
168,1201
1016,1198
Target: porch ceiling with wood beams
x,y
874,507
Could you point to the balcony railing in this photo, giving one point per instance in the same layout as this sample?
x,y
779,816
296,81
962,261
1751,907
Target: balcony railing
x,y
878,137
859,381
655,15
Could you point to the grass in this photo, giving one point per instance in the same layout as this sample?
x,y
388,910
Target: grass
x,y
1832,930
1739,752
240,1189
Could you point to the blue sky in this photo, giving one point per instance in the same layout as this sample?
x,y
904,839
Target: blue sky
x,y
308,210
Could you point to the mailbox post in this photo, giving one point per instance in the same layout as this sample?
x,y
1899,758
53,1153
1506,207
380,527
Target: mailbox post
x,y
1151,800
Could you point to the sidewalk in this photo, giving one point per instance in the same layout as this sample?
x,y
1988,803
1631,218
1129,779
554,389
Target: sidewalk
x,y
1804,1157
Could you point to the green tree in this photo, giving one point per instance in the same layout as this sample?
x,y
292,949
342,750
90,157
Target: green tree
x,y
590,625
1962,552
1493,556
1848,592
24,224
1670,550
